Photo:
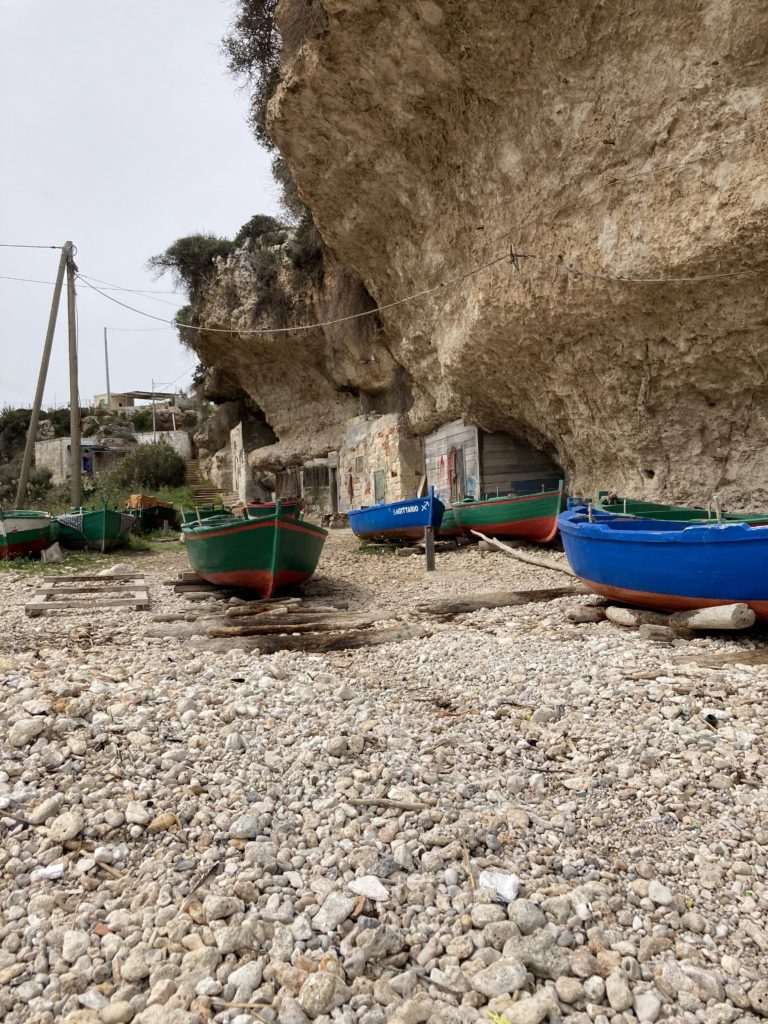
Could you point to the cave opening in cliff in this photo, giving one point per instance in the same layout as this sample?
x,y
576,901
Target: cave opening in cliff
x,y
465,461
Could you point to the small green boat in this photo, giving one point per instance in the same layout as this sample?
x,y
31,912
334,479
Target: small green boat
x,y
151,513
264,554
607,501
531,516
24,533
99,529
204,512
449,527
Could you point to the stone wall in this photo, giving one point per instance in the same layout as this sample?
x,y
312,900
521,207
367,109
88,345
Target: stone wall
x,y
383,445
179,440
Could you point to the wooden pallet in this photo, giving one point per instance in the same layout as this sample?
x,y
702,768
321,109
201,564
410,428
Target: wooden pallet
x,y
88,593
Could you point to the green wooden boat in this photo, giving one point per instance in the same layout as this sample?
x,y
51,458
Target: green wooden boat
x,y
449,527
204,512
151,513
99,529
265,554
607,501
24,533
530,516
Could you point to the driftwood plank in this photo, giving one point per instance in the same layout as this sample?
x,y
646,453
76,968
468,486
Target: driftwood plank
x,y
270,628
544,563
314,643
498,599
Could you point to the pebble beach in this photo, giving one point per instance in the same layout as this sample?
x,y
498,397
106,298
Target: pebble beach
x,y
514,818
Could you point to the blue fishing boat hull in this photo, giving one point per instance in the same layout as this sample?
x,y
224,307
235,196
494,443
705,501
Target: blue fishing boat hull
x,y
671,566
398,520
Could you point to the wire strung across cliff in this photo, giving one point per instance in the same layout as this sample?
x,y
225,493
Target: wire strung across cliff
x,y
511,256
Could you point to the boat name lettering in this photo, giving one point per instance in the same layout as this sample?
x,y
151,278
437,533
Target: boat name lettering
x,y
404,509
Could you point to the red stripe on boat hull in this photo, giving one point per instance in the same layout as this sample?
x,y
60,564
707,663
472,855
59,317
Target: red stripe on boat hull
x,y
260,580
668,602
542,529
24,547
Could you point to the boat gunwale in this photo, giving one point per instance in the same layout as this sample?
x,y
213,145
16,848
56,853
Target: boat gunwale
x,y
234,525
618,527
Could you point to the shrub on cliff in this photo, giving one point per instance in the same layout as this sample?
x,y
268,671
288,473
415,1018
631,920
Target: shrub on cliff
x,y
263,229
149,466
190,260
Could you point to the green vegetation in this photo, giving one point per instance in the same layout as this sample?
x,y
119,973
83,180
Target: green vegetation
x,y
142,421
190,260
262,228
380,550
148,467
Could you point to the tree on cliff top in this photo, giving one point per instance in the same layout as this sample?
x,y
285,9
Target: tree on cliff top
x,y
190,259
254,49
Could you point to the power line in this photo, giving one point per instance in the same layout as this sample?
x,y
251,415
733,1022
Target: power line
x,y
28,280
120,288
512,256
14,245
309,327
148,292
139,330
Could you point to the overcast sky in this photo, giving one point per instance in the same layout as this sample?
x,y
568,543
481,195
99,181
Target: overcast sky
x,y
121,130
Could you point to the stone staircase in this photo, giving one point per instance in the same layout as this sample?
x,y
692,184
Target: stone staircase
x,y
204,491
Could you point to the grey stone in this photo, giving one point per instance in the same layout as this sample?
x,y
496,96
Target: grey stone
x,y
503,976
248,976
618,992
75,944
245,827
647,1006
370,887
527,916
758,997
540,955
25,730
66,826
569,990
660,894
117,1012
532,1010
337,908
216,908
322,992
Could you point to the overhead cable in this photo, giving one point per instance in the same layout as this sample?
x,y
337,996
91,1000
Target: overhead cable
x,y
512,256
15,245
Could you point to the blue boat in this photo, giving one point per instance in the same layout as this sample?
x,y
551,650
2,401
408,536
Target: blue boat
x,y
668,565
398,520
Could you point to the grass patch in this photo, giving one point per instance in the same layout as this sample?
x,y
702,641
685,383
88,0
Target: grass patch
x,y
382,550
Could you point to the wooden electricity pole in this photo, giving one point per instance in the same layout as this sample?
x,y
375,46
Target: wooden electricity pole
x,y
74,396
29,448
106,365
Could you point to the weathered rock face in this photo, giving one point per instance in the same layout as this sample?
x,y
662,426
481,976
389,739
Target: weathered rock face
x,y
427,137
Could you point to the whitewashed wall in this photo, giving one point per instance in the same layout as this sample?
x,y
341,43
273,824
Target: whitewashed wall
x,y
178,439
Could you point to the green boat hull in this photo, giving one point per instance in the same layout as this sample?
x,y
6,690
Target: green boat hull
x,y
529,516
152,518
99,529
24,533
449,526
266,554
609,502
191,517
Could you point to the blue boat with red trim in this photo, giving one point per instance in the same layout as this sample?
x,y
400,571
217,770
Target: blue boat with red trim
x,y
668,565
398,521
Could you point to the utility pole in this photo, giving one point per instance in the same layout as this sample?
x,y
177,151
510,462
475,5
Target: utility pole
x,y
154,428
29,448
74,396
106,364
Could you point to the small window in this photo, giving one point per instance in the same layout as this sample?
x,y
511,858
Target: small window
x,y
379,485
359,464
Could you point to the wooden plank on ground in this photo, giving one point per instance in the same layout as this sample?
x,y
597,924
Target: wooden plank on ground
x,y
498,599
94,594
